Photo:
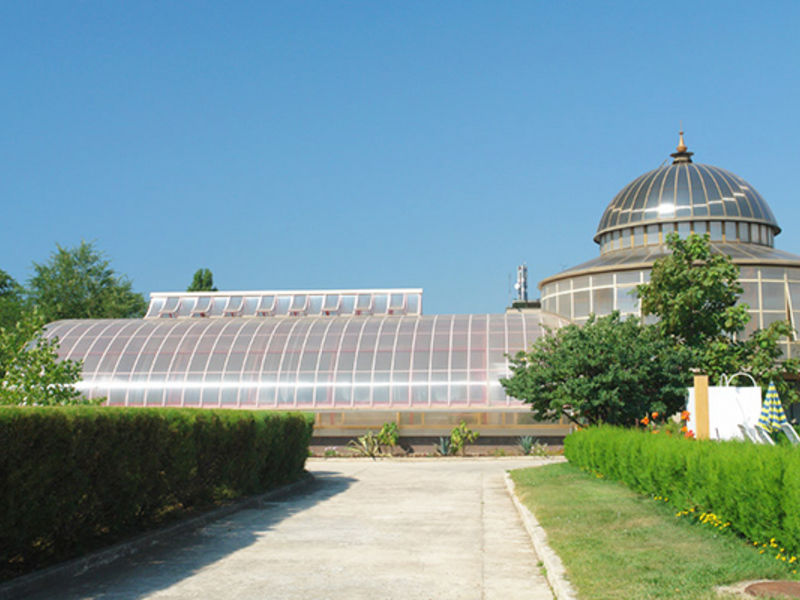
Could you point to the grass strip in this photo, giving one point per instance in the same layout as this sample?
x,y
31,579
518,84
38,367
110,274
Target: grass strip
x,y
615,543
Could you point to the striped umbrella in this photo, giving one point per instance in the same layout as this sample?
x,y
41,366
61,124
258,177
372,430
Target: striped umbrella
x,y
772,415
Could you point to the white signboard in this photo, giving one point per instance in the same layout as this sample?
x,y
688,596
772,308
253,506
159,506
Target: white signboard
x,y
727,408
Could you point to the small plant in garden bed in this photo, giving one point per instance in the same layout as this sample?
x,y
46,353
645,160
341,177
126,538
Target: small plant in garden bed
x,y
461,436
442,447
330,452
366,445
531,446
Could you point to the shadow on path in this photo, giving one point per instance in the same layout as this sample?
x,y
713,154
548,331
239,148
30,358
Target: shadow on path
x,y
171,561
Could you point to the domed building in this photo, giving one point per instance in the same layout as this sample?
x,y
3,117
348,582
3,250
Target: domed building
x,y
684,197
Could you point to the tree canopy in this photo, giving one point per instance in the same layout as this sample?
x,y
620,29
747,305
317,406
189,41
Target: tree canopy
x,y
694,294
12,300
608,370
79,283
30,371
203,281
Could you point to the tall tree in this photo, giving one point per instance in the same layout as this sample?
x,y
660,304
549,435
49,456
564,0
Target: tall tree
x,y
12,300
79,283
203,281
694,294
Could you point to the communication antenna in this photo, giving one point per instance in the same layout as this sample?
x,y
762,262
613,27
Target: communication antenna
x,y
522,283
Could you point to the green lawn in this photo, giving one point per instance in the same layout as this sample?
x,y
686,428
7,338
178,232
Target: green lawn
x,y
617,544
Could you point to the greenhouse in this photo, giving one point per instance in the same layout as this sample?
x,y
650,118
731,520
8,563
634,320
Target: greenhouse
x,y
355,357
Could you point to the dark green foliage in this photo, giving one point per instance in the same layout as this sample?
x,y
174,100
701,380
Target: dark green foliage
x,y
756,488
694,294
79,283
75,478
12,300
606,371
203,281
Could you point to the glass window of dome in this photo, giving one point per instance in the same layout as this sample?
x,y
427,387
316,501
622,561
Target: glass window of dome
x,y
719,231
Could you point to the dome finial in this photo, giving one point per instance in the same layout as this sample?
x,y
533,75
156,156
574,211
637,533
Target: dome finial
x,y
681,155
681,145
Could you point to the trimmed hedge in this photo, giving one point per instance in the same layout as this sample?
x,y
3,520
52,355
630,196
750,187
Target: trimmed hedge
x,y
755,487
75,478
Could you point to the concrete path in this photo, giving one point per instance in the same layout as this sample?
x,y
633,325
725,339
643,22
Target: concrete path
x,y
406,529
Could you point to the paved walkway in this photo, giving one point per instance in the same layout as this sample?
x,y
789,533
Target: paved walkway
x,y
405,529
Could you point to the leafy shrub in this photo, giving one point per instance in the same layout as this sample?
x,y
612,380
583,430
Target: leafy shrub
x,y
756,488
389,435
75,478
461,436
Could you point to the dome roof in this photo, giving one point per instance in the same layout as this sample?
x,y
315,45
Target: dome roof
x,y
685,191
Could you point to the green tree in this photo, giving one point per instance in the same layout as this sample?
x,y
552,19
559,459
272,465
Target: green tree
x,y
203,281
694,294
30,371
79,283
12,300
606,371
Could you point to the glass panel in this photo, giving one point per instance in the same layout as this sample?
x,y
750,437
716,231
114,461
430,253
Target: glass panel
x,y
629,277
581,304
715,229
580,283
282,306
683,230
754,233
652,235
380,304
348,305
626,300
774,273
638,236
744,232
601,280
772,295
750,295
603,301
730,231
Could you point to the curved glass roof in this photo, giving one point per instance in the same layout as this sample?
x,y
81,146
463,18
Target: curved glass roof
x,y
685,191
304,363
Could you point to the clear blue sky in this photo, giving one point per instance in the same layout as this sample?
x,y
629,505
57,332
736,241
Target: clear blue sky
x,y
328,144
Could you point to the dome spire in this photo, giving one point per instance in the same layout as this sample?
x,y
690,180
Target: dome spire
x,y
681,155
